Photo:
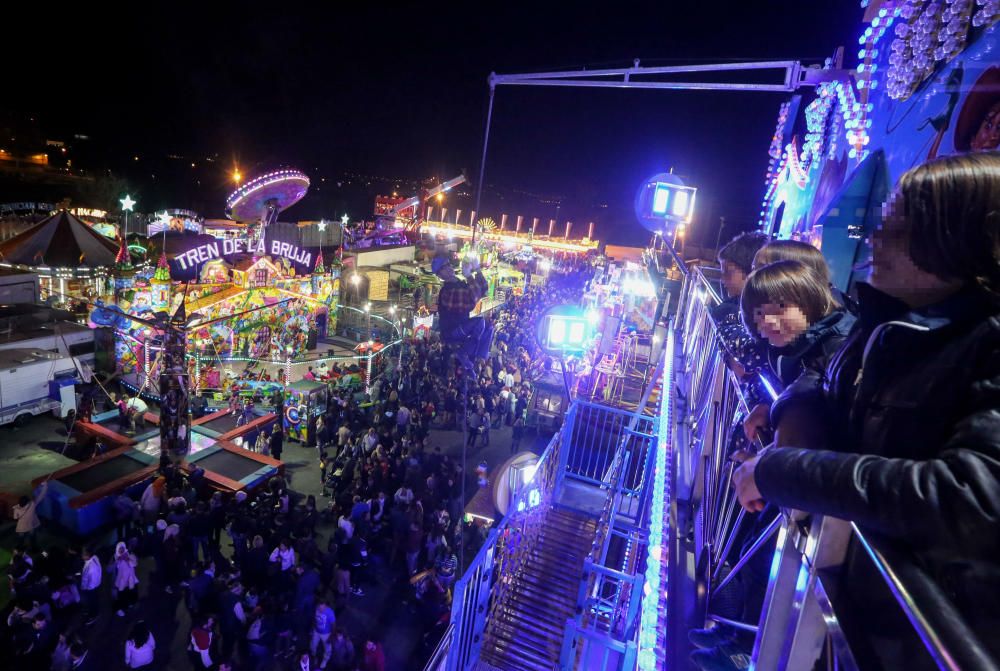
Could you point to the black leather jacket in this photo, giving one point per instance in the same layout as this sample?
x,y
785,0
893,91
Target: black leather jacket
x,y
801,366
918,397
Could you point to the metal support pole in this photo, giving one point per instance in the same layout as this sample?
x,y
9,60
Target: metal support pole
x,y
482,163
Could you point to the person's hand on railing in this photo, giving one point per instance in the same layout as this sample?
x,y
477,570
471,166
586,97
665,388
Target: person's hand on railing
x,y
756,421
746,486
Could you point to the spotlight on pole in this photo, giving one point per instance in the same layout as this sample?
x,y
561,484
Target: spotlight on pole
x,y
663,203
565,329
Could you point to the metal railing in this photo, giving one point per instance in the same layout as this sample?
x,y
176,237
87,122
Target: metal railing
x,y
484,588
604,631
798,626
605,452
439,658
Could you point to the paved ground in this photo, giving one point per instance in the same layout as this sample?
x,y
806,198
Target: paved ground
x,y
384,609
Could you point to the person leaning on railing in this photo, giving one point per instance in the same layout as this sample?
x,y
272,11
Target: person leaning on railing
x,y
744,354
916,392
788,305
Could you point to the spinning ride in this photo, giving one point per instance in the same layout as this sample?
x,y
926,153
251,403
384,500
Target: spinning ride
x,y
258,202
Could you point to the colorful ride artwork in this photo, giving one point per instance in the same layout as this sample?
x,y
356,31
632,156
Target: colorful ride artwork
x,y
275,316
925,84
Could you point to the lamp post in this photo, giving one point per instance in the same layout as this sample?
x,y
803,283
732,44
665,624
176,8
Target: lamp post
x,y
344,221
355,279
127,205
368,320
399,332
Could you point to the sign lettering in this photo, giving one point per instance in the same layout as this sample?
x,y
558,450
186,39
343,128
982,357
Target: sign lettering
x,y
190,259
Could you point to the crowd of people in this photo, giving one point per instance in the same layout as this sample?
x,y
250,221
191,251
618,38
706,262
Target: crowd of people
x,y
264,576
889,414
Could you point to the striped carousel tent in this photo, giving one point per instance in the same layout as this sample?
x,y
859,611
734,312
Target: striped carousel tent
x,y
60,241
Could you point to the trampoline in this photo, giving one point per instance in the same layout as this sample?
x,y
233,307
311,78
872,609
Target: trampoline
x,y
151,445
102,474
223,424
230,464
81,497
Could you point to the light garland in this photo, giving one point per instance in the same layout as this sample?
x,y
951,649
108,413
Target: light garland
x,y
775,150
989,12
931,32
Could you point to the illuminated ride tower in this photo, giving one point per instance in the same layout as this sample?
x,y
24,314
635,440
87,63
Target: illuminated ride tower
x,y
258,202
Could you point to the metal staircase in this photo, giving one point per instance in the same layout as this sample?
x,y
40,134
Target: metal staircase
x,y
527,634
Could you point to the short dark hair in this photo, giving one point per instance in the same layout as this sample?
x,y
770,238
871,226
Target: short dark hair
x,y
793,250
740,250
786,283
952,208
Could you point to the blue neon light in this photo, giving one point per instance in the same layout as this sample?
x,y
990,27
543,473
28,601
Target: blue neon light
x,y
681,200
661,195
649,622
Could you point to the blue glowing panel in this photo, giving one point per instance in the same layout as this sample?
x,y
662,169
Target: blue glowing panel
x,y
660,197
681,202
557,332
576,333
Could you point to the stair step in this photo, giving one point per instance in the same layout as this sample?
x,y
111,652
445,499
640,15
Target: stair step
x,y
569,575
485,666
521,613
544,603
552,547
509,654
550,580
569,524
543,651
526,639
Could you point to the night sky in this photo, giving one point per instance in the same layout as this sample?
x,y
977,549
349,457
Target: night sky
x,y
353,94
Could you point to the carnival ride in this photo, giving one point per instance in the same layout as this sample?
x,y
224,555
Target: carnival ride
x,y
416,206
258,202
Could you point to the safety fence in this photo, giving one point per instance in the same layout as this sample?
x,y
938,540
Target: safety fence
x,y
807,618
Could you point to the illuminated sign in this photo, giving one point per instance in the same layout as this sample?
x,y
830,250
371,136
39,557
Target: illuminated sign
x,y
187,261
174,220
672,200
89,212
27,207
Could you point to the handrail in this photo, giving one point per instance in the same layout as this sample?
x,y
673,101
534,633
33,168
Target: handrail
x,y
952,650
483,588
948,640
439,658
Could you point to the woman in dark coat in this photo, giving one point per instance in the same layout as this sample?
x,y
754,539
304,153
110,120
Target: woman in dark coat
x,y
916,389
